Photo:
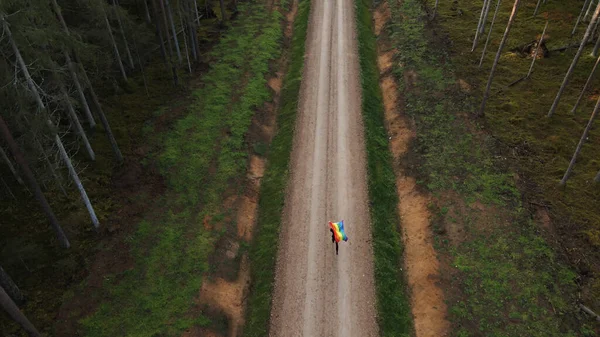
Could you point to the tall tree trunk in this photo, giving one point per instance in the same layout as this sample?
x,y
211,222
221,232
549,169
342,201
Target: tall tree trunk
x,y
165,26
22,65
112,40
586,86
575,60
141,64
537,7
11,288
166,29
174,31
147,11
159,34
33,185
75,120
589,9
435,8
107,129
129,57
537,50
7,188
50,166
80,92
223,15
585,4
76,180
185,44
478,30
597,177
10,166
597,45
498,53
196,9
87,81
193,28
581,142
13,311
487,40
485,16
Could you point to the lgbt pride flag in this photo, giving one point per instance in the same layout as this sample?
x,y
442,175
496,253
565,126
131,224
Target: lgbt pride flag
x,y
338,231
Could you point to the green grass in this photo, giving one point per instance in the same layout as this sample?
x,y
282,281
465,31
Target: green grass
x,y
502,278
171,248
272,193
542,146
394,315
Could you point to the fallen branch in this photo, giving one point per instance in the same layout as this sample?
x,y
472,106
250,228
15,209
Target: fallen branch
x,y
563,48
510,85
590,312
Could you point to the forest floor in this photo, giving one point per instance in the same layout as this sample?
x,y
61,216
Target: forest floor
x,y
177,217
514,254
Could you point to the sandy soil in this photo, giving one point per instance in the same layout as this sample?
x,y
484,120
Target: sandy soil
x,y
316,292
420,260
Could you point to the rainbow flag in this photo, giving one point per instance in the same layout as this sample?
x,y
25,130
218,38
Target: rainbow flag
x,y
338,231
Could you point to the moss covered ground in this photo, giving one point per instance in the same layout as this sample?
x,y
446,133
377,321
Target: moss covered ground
x,y
505,271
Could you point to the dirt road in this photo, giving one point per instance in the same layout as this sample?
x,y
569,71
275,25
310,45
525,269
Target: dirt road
x,y
316,292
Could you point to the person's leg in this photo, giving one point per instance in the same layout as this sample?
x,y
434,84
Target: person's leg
x,y
336,248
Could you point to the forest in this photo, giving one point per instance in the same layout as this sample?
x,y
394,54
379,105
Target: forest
x,y
147,150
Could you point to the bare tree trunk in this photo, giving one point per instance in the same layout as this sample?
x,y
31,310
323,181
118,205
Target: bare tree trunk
x,y
116,50
498,53
75,120
137,54
147,11
581,141
193,28
33,185
585,4
157,26
129,57
478,30
537,50
10,287
76,180
22,65
586,86
95,99
223,15
174,31
196,9
487,40
587,13
50,166
187,52
485,16
535,12
10,166
8,189
597,45
597,177
165,26
435,9
31,86
13,311
575,60
82,99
